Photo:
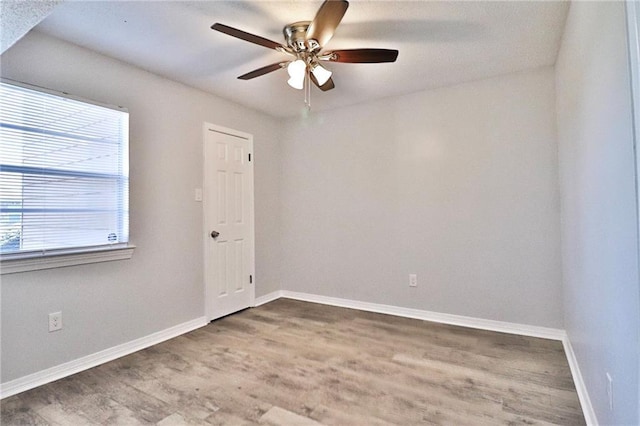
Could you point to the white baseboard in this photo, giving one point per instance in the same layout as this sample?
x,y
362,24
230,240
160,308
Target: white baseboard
x,y
270,297
479,323
68,368
583,395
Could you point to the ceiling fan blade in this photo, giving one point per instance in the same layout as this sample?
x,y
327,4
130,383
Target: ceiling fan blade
x,y
242,35
363,56
327,19
263,71
327,86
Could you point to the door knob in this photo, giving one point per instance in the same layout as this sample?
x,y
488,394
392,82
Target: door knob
x,y
214,234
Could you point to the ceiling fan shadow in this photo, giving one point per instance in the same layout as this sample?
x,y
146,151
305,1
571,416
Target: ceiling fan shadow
x,y
217,8
431,30
217,61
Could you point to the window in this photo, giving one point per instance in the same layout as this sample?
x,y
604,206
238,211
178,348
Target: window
x,y
64,175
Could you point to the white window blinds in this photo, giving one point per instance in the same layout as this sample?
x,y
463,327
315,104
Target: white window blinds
x,y
64,173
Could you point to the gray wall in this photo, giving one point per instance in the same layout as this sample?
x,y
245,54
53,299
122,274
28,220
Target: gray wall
x,y
458,185
112,303
599,221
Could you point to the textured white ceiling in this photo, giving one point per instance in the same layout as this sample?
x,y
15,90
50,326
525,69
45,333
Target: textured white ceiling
x,y
18,17
440,43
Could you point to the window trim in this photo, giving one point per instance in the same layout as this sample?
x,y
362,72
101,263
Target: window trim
x,y
58,258
35,261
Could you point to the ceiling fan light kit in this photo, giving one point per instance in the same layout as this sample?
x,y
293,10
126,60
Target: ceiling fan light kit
x,y
297,72
321,74
304,42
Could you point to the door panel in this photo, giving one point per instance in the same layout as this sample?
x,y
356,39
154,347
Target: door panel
x,y
228,210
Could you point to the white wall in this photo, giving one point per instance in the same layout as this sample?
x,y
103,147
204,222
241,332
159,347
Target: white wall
x,y
162,285
599,222
458,185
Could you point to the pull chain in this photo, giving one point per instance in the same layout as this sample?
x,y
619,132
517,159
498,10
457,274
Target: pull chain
x,y
307,91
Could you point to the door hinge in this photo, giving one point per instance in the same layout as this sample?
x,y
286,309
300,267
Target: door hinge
x,y
250,279
249,156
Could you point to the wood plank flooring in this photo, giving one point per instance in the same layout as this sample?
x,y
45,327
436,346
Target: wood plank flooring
x,y
297,363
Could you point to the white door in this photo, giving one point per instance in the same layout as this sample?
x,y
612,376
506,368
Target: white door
x,y
228,221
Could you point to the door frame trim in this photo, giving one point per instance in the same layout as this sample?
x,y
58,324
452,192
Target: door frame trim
x,y
208,291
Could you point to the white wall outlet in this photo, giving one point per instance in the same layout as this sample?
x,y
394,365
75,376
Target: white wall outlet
x,y
55,321
198,194
610,391
413,280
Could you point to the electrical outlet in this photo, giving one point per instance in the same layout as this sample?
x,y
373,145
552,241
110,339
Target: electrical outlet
x,y
610,391
413,280
55,321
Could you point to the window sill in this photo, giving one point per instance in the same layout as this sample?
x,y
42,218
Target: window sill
x,y
60,260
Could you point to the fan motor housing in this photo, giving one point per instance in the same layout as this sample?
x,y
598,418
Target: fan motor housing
x,y
295,35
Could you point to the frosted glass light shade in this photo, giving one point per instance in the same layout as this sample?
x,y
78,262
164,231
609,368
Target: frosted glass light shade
x,y
321,74
297,70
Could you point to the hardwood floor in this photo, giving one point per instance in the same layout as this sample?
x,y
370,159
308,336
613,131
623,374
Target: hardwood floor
x,y
297,363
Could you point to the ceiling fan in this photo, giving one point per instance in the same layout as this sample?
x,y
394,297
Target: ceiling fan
x,y
304,43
